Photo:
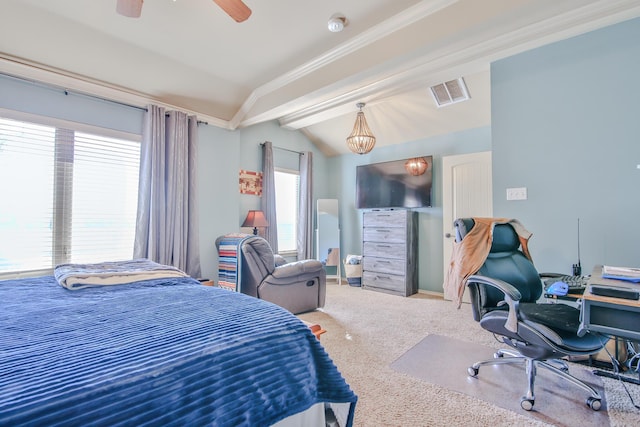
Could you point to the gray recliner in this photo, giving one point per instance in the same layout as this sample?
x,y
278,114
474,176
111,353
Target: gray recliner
x,y
298,286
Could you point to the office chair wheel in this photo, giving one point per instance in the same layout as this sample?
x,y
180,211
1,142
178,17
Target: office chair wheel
x,y
472,371
594,403
526,404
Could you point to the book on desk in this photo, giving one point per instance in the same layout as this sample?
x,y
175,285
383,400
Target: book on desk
x,y
628,274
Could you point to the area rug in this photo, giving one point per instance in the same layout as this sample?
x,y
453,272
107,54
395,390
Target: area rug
x,y
444,361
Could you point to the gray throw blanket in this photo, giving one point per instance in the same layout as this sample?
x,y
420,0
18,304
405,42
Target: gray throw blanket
x,y
78,276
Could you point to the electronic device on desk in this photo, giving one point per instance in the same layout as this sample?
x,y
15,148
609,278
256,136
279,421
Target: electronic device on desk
x,y
614,292
577,268
558,285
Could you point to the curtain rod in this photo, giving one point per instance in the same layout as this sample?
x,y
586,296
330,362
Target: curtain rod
x,y
68,92
283,149
72,92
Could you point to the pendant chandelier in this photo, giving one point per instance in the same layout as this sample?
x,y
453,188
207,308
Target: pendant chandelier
x,y
361,140
416,166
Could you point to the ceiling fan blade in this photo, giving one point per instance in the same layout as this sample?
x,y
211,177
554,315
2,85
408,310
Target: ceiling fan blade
x,y
130,8
235,9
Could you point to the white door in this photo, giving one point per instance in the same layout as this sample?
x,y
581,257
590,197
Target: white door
x,y
466,192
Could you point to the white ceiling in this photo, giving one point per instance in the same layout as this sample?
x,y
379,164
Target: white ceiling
x,y
283,63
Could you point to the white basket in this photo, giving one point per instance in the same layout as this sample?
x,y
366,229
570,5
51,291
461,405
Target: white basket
x,y
352,270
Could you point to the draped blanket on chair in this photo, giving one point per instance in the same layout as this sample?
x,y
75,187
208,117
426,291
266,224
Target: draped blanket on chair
x,y
470,254
229,259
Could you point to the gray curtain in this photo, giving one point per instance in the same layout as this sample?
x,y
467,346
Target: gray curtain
x,y
305,209
268,200
167,222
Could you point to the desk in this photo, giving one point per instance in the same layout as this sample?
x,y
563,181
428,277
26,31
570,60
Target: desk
x,y
607,315
617,317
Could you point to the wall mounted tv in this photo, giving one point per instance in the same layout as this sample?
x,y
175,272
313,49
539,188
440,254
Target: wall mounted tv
x,y
390,185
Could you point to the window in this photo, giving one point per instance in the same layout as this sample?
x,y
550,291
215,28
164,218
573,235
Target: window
x,y
287,194
68,196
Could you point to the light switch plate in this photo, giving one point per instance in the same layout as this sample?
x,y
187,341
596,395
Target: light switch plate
x,y
519,193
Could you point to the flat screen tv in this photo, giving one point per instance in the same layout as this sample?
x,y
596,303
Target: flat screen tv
x,y
390,185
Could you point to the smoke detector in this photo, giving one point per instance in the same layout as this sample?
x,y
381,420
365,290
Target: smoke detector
x,y
337,22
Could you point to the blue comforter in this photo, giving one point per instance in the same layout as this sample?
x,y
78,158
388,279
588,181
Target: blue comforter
x,y
156,352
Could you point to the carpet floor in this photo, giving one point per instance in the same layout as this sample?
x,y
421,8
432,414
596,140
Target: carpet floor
x,y
368,331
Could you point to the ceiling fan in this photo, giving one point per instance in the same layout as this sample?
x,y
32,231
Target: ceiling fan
x,y
234,8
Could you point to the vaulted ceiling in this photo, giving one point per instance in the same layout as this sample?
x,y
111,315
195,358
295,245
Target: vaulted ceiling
x,y
284,64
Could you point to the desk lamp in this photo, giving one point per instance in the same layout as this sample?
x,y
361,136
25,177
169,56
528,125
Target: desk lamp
x,y
255,219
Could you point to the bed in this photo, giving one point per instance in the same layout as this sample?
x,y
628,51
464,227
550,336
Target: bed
x,y
160,351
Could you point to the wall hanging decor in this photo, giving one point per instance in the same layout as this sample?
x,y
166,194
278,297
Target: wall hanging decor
x,y
250,182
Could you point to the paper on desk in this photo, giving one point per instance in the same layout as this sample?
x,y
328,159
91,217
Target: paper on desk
x,y
628,274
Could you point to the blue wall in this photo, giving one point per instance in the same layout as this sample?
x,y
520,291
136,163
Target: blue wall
x,y
566,125
430,231
222,154
26,97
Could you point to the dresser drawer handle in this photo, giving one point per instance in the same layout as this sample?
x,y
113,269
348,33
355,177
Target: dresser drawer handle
x,y
383,246
383,277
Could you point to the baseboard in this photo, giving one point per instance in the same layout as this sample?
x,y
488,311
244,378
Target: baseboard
x,y
431,293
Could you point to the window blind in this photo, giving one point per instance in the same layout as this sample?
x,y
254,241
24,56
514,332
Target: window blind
x,y
105,198
72,196
26,194
287,195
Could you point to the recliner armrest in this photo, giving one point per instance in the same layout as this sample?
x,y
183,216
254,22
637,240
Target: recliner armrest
x,y
511,298
297,268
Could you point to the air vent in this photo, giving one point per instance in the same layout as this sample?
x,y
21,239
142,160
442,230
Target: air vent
x,y
450,92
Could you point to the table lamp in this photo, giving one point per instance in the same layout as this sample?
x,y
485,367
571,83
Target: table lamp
x,y
255,219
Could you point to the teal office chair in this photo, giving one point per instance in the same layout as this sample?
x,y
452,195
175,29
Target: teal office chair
x,y
503,298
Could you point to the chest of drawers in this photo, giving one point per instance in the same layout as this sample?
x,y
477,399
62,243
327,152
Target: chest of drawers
x,y
389,251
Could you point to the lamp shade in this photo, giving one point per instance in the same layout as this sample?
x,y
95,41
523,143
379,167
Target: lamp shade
x,y
361,140
255,219
416,166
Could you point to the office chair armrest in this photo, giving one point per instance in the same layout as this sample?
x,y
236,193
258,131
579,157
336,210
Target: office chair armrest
x,y
506,288
511,298
551,275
